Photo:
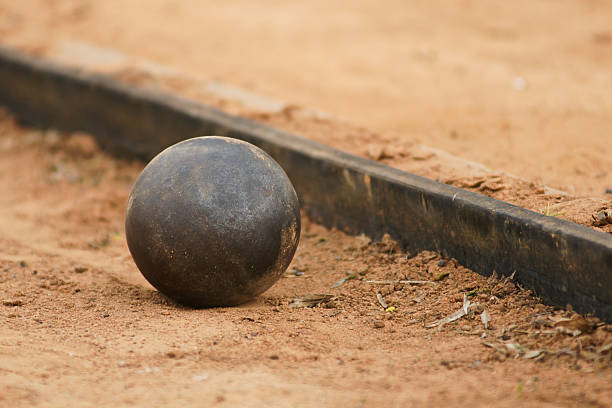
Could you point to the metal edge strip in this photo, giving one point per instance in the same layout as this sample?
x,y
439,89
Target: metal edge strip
x,y
563,262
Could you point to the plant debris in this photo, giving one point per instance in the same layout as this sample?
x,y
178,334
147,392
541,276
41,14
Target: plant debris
x,y
534,354
381,301
310,300
465,309
605,348
577,325
602,218
343,280
485,318
391,282
441,276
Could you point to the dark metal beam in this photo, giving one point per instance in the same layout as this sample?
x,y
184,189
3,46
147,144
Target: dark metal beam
x,y
565,263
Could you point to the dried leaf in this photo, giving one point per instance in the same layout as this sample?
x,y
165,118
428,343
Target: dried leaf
x,y
341,281
441,276
490,345
533,354
467,304
485,318
391,282
310,300
364,239
381,301
542,321
516,347
455,316
567,351
420,298
576,325
604,348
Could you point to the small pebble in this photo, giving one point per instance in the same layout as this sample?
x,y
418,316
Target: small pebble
x,y
379,324
441,262
200,377
519,83
13,303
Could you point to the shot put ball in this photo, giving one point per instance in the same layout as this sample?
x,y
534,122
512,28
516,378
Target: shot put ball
x,y
212,221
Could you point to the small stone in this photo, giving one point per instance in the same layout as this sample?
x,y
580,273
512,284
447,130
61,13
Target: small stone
x,y
13,303
362,270
519,83
379,324
23,264
274,357
80,269
441,262
200,377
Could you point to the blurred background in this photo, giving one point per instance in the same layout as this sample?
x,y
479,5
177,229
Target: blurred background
x,y
521,86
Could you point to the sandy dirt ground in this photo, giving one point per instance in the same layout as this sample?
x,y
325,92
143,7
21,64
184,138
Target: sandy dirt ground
x,y
79,325
521,87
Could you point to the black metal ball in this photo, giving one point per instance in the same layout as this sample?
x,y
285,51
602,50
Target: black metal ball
x,y
212,221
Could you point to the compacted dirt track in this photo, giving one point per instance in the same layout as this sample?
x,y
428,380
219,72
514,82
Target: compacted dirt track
x,y
521,87
79,326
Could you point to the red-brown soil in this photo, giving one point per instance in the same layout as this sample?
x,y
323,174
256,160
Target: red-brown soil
x,y
429,87
79,326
